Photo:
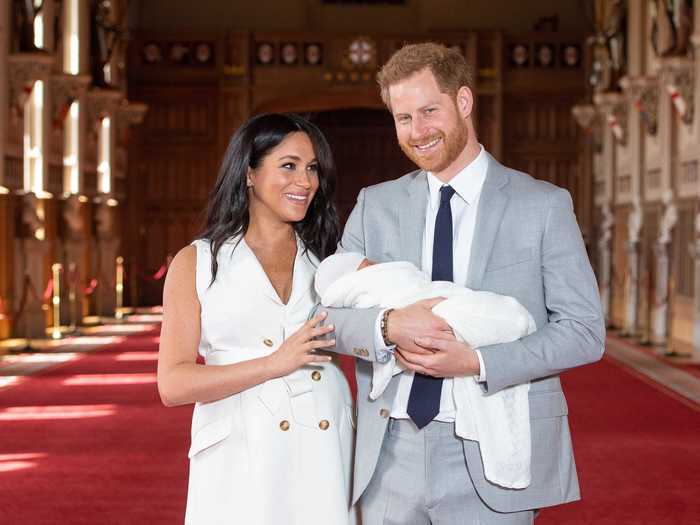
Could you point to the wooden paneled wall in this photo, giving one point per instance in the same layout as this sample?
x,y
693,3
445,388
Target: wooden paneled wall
x,y
196,105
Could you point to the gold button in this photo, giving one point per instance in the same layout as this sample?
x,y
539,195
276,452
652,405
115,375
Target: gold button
x,y
384,413
323,424
268,342
316,375
284,425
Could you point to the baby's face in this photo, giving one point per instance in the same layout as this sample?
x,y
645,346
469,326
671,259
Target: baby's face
x,y
365,263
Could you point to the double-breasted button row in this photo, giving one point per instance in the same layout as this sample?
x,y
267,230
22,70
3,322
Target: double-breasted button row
x,y
324,424
316,375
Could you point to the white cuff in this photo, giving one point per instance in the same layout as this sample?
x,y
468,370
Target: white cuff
x,y
481,378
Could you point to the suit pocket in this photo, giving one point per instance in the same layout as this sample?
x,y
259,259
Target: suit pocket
x,y
506,259
547,404
210,435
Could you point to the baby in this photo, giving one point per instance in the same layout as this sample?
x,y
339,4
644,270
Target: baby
x,y
500,422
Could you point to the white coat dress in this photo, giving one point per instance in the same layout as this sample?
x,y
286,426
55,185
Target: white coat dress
x,y
279,452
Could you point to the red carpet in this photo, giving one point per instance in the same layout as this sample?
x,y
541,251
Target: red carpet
x,y
88,442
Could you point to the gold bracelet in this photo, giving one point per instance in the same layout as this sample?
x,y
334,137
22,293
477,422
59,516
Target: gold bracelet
x,y
384,325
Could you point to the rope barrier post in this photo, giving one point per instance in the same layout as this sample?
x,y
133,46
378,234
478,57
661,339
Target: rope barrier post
x,y
56,301
119,288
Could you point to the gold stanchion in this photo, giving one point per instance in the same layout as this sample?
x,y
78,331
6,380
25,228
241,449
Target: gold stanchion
x,y
56,301
119,286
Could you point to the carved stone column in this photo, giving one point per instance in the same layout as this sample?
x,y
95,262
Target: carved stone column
x,y
678,76
67,89
605,259
660,308
634,228
24,70
615,110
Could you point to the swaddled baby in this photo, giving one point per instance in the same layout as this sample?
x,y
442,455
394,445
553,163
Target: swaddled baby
x,y
500,422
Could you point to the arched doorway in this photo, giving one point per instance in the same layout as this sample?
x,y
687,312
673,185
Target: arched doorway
x,y
365,151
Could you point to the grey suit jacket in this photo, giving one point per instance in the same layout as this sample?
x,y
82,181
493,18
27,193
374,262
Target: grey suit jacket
x,y
527,245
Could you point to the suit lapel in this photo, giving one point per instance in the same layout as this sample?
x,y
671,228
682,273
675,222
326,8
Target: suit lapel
x,y
412,219
492,204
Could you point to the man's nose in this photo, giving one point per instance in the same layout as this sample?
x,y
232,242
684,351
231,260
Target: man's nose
x,y
418,127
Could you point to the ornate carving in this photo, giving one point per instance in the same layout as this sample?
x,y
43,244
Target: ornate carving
x,y
128,114
608,43
615,108
679,78
586,115
64,90
101,103
643,93
25,69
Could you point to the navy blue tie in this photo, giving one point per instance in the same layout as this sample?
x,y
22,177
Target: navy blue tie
x,y
424,399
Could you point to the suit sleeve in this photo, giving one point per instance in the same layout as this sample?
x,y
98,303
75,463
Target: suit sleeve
x,y
575,331
355,328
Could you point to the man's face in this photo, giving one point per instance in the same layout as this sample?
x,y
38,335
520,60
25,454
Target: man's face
x,y
430,125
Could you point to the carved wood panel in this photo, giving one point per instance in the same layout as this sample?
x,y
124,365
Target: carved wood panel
x,y
542,139
365,150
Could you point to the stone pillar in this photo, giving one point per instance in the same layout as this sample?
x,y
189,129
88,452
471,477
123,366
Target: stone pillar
x,y
604,259
660,308
634,228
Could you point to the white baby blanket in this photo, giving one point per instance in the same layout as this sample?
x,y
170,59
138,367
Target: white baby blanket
x,y
499,422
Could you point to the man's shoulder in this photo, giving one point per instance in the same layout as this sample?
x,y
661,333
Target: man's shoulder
x,y
529,190
392,187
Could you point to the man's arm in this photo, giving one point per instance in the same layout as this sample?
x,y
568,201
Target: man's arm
x,y
575,332
355,328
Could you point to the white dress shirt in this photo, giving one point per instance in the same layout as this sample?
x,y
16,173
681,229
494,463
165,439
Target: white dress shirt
x,y
464,204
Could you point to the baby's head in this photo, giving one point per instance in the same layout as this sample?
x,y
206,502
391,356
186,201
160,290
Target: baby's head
x,y
336,266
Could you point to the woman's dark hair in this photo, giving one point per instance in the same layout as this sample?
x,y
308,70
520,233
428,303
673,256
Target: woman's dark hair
x,y
227,211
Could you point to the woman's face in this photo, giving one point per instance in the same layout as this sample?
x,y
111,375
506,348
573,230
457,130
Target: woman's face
x,y
284,184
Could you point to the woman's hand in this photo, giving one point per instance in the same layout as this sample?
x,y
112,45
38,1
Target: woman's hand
x,y
298,350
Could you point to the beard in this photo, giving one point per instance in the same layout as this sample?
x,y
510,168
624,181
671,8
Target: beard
x,y
454,142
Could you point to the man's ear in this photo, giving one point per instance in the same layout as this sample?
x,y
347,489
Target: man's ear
x,y
465,102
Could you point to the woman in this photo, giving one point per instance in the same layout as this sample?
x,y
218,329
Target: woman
x,y
272,424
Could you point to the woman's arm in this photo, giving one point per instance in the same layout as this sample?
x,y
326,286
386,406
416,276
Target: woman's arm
x,y
181,379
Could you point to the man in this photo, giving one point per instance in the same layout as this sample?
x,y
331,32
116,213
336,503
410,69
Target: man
x,y
462,217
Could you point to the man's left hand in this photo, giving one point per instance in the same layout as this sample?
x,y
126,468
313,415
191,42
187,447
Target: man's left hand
x,y
449,358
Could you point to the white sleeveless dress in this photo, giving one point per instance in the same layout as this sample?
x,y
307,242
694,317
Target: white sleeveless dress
x,y
280,452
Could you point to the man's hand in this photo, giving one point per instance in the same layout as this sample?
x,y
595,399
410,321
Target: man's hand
x,y
440,357
416,320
